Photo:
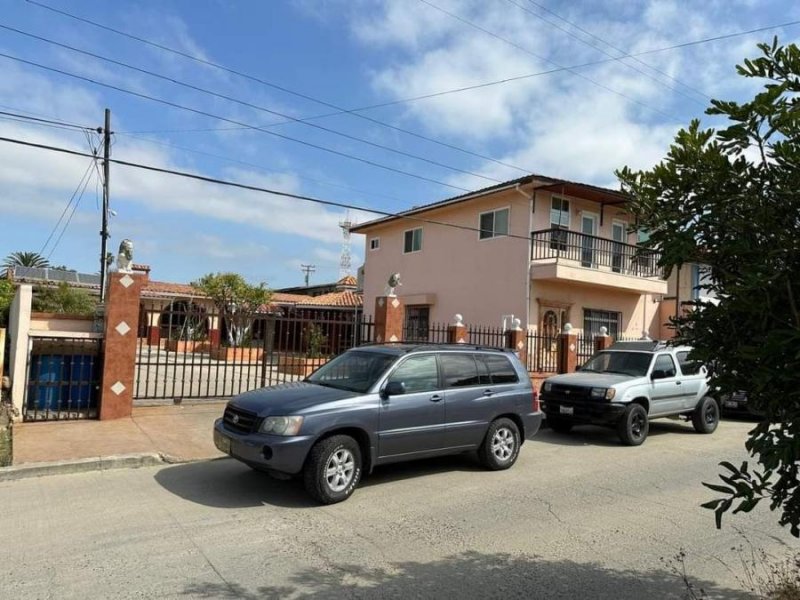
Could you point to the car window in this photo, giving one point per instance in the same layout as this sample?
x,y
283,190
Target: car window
x,y
354,370
634,364
665,363
688,367
417,373
459,370
500,369
483,371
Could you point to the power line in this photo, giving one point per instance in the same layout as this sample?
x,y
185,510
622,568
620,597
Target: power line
x,y
62,124
66,208
253,188
610,45
552,62
71,214
338,109
247,104
233,121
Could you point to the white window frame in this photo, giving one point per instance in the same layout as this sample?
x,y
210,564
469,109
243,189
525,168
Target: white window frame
x,y
376,246
494,235
412,251
569,212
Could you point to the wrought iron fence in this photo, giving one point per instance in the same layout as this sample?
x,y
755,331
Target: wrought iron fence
x,y
595,252
542,353
204,359
482,335
584,347
63,378
435,333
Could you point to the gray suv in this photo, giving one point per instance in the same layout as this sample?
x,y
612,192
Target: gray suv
x,y
380,404
628,385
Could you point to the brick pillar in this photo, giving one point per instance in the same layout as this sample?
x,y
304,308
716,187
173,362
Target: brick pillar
x,y
516,338
390,315
457,332
567,351
214,332
119,358
602,341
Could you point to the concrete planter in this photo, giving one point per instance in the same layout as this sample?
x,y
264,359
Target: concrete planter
x,y
187,346
299,365
237,354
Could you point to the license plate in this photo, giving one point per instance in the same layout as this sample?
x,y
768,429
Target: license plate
x,y
731,404
222,443
565,410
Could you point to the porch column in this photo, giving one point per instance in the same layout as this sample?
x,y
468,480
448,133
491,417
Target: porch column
x,y
390,316
602,341
214,333
567,350
119,358
153,323
516,339
457,332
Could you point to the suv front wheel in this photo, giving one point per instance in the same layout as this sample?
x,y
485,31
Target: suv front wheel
x,y
633,426
333,469
500,447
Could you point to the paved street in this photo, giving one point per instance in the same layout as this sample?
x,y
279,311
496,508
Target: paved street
x,y
577,517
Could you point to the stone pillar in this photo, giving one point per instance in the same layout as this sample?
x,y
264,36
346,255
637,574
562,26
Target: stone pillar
x,y
516,339
119,359
214,332
390,315
602,341
457,332
567,350
19,324
153,325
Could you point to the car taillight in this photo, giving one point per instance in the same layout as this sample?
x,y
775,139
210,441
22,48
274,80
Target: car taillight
x,y
535,405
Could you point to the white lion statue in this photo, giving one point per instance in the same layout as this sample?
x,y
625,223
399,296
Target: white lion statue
x,y
394,282
125,257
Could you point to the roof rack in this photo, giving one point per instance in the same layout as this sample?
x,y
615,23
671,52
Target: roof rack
x,y
641,345
426,345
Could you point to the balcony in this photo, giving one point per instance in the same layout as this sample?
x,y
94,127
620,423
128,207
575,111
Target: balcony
x,y
562,255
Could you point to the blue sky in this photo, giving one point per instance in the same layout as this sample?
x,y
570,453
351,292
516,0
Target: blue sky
x,y
579,124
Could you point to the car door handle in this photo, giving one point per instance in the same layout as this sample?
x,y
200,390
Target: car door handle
x,y
488,393
677,383
436,398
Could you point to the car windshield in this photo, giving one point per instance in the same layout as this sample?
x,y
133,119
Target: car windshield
x,y
622,363
356,371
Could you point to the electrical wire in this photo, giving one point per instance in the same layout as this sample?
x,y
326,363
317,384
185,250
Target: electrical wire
x,y
71,214
233,121
214,94
550,61
61,124
66,208
253,188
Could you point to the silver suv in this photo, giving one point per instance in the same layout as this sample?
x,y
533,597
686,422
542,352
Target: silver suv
x,y
626,386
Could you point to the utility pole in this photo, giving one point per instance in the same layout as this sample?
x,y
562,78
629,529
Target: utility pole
x,y
104,235
308,270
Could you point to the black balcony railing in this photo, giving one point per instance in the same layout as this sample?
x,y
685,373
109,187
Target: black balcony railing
x,y
594,252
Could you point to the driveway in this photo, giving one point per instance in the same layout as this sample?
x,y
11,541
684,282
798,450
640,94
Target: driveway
x,y
579,516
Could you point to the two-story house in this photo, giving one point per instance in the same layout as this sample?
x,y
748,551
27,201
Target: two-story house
x,y
545,250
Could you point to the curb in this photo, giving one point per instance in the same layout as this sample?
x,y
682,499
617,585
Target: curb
x,y
83,465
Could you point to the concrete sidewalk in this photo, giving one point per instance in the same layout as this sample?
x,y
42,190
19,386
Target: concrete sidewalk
x,y
176,433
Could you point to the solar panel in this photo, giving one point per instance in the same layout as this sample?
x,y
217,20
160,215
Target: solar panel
x,y
55,276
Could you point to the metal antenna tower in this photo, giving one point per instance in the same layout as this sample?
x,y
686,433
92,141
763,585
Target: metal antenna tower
x,y
345,259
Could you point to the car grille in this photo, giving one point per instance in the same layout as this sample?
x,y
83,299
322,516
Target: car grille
x,y
569,392
240,420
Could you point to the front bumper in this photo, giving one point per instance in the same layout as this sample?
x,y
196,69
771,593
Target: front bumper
x,y
282,454
582,411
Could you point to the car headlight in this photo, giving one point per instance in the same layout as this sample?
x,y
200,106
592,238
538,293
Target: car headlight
x,y
603,393
546,386
282,425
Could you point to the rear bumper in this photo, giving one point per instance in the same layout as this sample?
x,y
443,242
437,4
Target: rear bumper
x,y
578,411
273,452
532,423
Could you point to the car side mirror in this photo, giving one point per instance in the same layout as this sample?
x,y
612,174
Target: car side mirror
x,y
394,388
658,374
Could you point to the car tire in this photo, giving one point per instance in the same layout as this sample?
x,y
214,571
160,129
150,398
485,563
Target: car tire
x,y
559,425
633,426
500,447
705,418
333,469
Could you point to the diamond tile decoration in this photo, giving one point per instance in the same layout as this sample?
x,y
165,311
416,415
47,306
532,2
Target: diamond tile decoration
x,y
118,388
122,328
393,338
380,302
126,281
520,345
395,303
379,338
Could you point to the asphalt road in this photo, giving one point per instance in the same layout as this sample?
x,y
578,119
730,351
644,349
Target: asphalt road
x,y
579,516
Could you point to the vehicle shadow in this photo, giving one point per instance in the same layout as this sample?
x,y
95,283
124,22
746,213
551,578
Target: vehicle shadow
x,y
474,575
227,483
597,435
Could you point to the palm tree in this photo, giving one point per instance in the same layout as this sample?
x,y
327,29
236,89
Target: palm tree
x,y
25,259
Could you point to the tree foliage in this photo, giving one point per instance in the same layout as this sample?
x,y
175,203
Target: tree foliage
x,y
237,301
7,292
730,199
63,299
25,259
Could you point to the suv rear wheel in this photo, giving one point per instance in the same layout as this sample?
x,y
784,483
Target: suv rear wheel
x,y
705,418
500,447
333,469
633,426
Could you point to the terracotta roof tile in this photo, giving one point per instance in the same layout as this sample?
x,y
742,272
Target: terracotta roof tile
x,y
347,280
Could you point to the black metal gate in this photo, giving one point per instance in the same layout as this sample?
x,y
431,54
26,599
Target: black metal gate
x,y
63,378
198,357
